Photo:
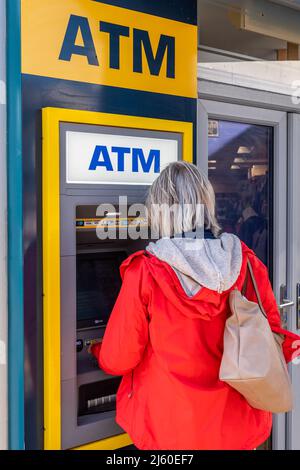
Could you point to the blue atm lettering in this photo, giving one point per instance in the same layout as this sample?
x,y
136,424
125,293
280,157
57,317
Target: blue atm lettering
x,y
141,43
139,161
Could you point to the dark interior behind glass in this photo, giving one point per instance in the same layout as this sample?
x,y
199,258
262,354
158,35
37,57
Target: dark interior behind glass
x,y
240,169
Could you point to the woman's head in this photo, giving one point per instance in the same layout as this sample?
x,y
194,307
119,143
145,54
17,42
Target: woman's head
x,y
184,188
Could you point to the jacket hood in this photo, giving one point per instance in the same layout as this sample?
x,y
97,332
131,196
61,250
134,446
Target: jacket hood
x,y
214,263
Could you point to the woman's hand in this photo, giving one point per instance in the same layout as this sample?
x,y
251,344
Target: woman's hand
x,y
94,343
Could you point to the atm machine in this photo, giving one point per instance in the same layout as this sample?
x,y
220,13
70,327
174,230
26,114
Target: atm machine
x,y
90,284
97,169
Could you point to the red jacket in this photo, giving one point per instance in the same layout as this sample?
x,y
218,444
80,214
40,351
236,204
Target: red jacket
x,y
168,347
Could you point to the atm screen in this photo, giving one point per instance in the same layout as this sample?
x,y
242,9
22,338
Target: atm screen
x,y
98,284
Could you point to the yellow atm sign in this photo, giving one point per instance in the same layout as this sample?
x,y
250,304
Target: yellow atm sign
x,y
92,42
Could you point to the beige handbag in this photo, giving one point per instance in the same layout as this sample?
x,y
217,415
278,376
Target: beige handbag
x,y
253,362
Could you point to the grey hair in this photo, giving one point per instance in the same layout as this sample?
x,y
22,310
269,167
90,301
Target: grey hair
x,y
182,185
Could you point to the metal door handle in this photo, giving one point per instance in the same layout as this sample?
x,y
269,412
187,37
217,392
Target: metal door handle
x,y
286,303
298,306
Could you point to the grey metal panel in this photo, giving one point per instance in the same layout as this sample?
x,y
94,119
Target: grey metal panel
x,y
202,137
293,271
109,192
280,243
242,113
68,317
277,119
209,90
68,227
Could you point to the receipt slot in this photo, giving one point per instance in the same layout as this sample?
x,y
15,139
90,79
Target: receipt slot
x,y
92,163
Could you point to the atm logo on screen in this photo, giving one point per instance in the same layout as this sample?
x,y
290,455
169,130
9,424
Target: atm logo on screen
x,y
100,158
140,160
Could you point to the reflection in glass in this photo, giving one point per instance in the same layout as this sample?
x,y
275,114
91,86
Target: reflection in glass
x,y
240,158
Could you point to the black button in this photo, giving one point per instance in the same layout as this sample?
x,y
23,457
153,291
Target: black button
x,y
79,345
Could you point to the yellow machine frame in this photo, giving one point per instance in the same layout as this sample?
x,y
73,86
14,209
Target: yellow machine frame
x,y
52,117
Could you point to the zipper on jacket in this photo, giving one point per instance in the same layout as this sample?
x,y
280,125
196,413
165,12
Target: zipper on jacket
x,y
131,386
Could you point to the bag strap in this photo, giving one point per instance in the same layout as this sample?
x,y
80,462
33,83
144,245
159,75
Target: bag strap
x,y
250,270
244,288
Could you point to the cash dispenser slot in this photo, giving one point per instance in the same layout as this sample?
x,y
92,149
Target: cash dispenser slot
x,y
98,397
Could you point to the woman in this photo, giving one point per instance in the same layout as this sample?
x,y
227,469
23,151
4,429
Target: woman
x,y
165,334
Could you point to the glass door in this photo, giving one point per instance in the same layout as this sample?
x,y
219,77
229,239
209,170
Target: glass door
x,y
244,152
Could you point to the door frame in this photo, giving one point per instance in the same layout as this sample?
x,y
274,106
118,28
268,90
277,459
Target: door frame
x,y
278,120
293,266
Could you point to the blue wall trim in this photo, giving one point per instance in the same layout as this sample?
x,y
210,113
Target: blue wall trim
x,y
44,91
15,230
178,10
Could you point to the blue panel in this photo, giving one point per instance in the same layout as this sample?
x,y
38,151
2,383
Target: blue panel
x,y
179,10
54,92
15,231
